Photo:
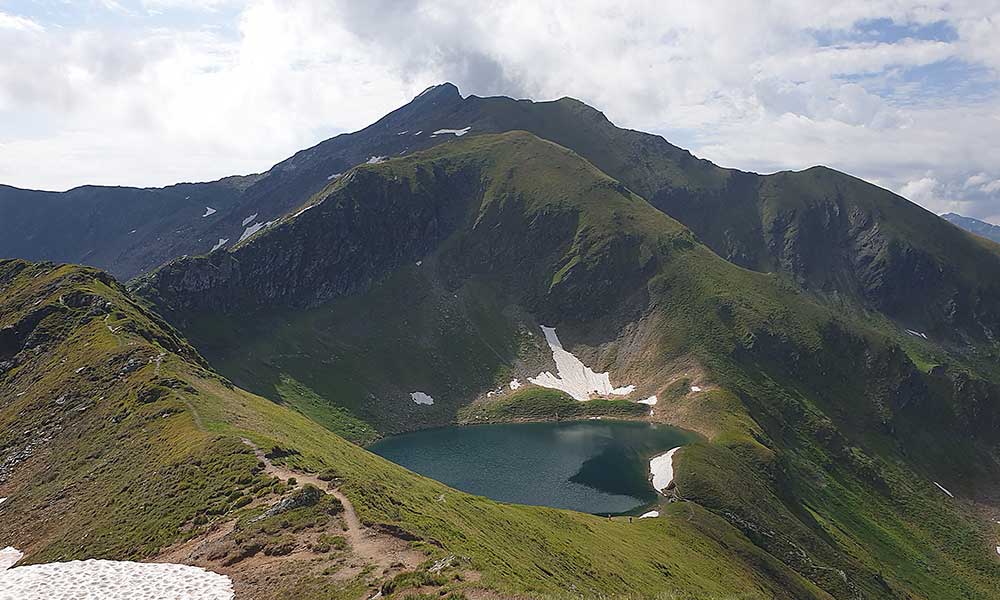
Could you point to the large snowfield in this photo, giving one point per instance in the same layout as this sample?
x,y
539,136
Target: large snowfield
x,y
573,377
113,580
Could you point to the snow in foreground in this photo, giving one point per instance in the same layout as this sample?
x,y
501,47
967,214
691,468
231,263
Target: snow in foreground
x,y
575,378
209,211
8,558
650,514
113,580
651,401
661,469
421,398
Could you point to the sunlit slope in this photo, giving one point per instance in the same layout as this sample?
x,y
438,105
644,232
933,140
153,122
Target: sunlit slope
x,y
826,429
118,442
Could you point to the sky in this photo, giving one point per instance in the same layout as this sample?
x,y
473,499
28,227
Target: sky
x,y
152,92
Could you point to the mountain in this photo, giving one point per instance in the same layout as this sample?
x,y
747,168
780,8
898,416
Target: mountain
x,y
980,228
825,430
851,244
833,344
118,442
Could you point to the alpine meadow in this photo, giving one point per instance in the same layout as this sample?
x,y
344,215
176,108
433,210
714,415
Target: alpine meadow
x,y
497,348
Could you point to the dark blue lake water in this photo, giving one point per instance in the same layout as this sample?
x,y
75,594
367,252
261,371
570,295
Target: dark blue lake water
x,y
591,466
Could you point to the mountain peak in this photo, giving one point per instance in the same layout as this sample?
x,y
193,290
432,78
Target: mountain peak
x,y
441,91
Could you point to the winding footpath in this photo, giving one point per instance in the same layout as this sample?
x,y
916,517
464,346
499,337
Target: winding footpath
x,y
367,543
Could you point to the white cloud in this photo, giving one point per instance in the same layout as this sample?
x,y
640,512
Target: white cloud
x,y
921,190
14,22
745,84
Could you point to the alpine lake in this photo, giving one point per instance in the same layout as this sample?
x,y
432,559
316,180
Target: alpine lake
x,y
594,466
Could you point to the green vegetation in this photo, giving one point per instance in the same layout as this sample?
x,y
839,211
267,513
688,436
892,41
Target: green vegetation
x,y
822,434
813,417
543,404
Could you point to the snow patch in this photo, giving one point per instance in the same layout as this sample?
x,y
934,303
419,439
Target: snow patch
x,y
916,334
661,470
334,176
420,262
695,388
998,549
650,514
374,160
209,211
249,219
419,132
575,378
402,133
651,401
222,242
457,132
254,229
941,487
133,231
2,500
421,398
8,558
113,580
304,210
514,384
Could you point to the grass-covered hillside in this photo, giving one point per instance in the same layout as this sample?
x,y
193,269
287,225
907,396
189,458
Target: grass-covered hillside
x,y
826,430
119,443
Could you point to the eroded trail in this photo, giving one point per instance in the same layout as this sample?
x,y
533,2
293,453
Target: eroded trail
x,y
368,544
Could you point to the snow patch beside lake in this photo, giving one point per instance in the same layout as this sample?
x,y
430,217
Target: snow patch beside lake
x,y
651,401
514,384
661,470
457,132
421,398
334,176
650,514
575,378
113,580
249,219
8,558
941,487
222,242
916,334
374,160
209,211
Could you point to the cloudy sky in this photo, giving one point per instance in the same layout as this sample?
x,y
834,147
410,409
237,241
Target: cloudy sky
x,y
150,92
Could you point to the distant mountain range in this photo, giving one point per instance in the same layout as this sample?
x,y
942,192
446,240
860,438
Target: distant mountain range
x,y
980,228
835,345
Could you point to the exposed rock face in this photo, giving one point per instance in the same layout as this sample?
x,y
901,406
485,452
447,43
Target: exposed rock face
x,y
371,225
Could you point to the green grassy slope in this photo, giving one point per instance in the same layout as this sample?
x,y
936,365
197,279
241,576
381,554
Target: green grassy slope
x,y
155,456
826,429
853,244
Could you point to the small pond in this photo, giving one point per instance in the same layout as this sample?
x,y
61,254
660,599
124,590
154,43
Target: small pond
x,y
593,466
